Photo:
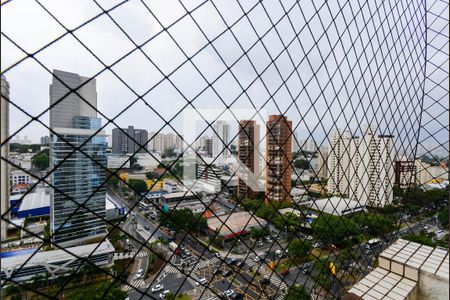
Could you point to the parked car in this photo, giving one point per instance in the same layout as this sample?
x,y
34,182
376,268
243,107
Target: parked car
x,y
265,281
147,227
202,281
163,294
317,245
217,254
139,274
237,296
239,263
230,261
226,273
228,293
157,288
309,238
284,272
256,258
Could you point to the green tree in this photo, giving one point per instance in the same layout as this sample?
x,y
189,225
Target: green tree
x,y
376,225
41,160
183,220
443,217
113,180
288,221
297,292
139,186
104,290
333,229
168,153
152,175
299,250
258,233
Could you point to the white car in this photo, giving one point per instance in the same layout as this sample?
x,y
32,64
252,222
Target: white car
x,y
228,293
139,273
217,254
157,288
163,294
256,258
202,281
309,238
317,245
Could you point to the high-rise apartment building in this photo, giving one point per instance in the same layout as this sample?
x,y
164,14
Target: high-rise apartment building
x,y
4,168
295,142
362,168
221,139
78,200
278,158
45,140
129,140
322,166
160,142
404,172
248,154
338,163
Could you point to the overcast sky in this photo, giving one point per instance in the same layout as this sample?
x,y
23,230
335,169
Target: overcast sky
x,y
323,64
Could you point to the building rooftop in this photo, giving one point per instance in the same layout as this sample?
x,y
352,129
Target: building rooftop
x,y
37,199
178,195
235,223
337,206
407,270
381,284
53,256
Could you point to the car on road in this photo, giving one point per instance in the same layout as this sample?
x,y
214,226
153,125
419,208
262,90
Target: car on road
x,y
285,272
265,281
139,274
202,281
228,293
260,243
306,268
317,245
230,261
309,238
147,227
158,287
183,255
226,273
239,263
217,254
163,294
256,258
237,296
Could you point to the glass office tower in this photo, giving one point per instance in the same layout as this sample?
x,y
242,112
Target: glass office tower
x,y
78,156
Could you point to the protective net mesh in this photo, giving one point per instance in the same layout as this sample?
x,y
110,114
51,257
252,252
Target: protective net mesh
x,y
285,144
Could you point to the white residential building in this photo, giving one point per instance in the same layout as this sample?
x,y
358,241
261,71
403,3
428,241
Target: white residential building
x,y
322,167
362,167
338,163
4,167
221,139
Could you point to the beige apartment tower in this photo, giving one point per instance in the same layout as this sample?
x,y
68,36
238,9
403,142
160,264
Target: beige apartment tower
x,y
278,158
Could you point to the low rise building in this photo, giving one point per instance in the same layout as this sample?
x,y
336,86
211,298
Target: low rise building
x,y
118,161
35,204
179,196
18,176
337,206
234,224
23,265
